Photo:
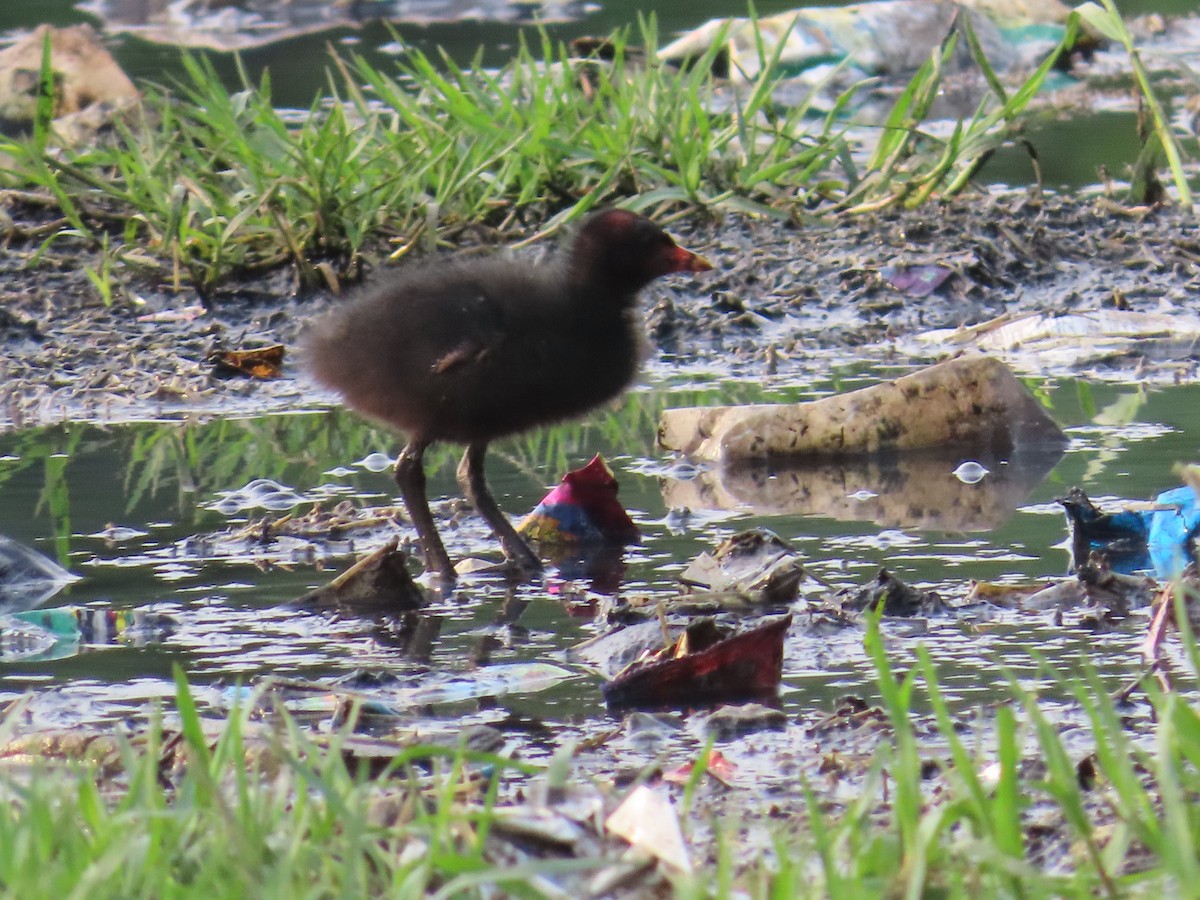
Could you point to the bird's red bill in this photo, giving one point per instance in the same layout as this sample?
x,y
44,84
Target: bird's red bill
x,y
686,261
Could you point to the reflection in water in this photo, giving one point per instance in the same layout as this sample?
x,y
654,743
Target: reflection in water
x,y
257,23
919,491
599,564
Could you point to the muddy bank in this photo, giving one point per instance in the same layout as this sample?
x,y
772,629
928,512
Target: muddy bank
x,y
785,296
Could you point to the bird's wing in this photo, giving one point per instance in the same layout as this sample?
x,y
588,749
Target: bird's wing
x,y
478,329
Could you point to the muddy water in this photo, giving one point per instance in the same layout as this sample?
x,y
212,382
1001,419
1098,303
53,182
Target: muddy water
x,y
62,487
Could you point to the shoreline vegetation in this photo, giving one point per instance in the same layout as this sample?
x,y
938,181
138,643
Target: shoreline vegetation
x,y
197,185
202,186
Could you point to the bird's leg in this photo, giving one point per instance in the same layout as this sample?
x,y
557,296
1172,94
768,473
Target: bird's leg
x,y
474,487
410,476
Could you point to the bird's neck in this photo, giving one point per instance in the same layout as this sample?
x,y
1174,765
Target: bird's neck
x,y
597,288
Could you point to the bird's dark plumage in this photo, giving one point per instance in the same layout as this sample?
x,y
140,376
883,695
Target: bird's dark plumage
x,y
472,349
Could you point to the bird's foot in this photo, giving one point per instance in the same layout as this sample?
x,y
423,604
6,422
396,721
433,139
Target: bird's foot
x,y
522,562
437,560
446,576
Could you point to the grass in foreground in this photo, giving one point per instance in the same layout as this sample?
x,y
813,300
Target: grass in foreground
x,y
1013,815
245,817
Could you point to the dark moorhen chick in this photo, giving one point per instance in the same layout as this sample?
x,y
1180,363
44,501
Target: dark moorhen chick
x,y
470,349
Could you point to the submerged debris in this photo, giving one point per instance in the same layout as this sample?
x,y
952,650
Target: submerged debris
x,y
380,580
391,698
729,722
704,665
895,596
758,566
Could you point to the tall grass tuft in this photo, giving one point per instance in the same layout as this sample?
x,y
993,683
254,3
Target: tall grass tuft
x,y
203,184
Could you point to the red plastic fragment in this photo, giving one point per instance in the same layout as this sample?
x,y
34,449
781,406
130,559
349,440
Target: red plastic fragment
x,y
718,767
583,507
749,664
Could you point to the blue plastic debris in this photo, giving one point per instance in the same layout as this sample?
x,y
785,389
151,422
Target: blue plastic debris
x,y
1171,530
1158,538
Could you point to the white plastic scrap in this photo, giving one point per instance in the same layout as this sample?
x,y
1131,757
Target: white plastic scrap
x,y
649,822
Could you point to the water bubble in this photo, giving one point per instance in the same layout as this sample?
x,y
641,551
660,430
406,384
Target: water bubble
x,y
376,462
970,472
262,487
277,501
261,493
117,533
227,506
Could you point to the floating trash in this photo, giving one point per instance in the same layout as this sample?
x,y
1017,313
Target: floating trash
x,y
379,580
876,38
1158,535
716,766
648,821
263,363
1035,341
39,635
28,579
916,281
897,598
756,564
583,507
23,642
103,625
703,665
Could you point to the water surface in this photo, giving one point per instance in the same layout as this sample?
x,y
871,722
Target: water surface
x,y
63,486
